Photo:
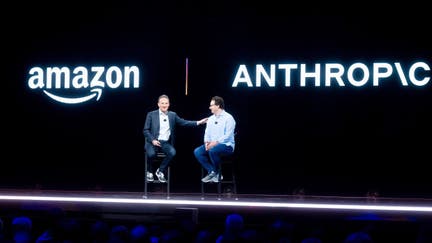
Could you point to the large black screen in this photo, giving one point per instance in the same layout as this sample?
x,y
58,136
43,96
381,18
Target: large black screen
x,y
330,140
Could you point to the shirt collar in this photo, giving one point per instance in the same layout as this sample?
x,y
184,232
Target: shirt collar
x,y
220,114
162,114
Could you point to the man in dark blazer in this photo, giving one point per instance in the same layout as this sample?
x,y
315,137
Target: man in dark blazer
x,y
159,132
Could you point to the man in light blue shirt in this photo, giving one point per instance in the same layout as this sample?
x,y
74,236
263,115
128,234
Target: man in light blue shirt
x,y
218,139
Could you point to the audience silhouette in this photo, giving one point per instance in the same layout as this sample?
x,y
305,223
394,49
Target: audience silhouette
x,y
67,229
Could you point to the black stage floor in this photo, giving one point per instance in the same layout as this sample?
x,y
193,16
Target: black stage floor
x,y
403,217
158,203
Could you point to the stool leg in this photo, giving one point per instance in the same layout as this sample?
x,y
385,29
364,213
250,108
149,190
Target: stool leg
x,y
234,184
145,177
219,188
168,182
219,184
145,188
202,184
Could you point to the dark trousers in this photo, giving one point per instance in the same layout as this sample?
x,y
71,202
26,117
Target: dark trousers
x,y
151,150
211,159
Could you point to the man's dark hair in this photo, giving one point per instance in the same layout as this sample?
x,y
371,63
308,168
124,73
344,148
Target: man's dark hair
x,y
219,101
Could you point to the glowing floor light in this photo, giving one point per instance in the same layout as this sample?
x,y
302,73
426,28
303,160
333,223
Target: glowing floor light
x,y
219,203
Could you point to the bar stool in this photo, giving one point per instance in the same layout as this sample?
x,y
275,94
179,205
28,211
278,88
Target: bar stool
x,y
227,168
159,157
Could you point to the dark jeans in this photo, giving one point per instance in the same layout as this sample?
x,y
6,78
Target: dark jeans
x,y
211,159
152,150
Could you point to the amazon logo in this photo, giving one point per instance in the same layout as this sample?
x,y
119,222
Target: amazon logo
x,y
81,84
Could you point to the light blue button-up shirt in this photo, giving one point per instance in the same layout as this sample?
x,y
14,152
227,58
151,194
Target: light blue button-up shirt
x,y
220,128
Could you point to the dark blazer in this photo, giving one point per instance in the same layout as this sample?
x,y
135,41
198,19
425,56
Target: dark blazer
x,y
151,126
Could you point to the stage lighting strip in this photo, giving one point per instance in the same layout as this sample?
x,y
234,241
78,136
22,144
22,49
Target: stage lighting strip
x,y
330,206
